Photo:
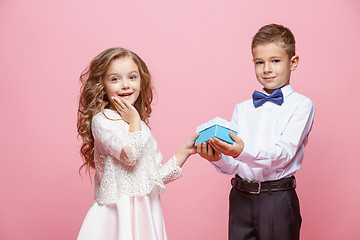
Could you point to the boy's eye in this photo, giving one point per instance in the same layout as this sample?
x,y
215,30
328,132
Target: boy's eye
x,y
258,63
276,61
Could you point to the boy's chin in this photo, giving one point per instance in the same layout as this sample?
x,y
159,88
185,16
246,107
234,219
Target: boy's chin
x,y
270,89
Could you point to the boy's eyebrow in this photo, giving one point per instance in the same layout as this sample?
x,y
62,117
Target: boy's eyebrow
x,y
269,57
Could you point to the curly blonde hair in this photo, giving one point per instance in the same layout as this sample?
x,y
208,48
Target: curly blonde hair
x,y
94,100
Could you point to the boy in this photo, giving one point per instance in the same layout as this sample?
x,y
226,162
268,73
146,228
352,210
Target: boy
x,y
273,129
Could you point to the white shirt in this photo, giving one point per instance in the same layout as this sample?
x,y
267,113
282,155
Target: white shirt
x,y
274,137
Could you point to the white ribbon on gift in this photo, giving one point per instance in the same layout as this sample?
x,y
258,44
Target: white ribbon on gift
x,y
216,121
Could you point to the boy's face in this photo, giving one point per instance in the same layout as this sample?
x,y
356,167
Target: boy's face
x,y
273,66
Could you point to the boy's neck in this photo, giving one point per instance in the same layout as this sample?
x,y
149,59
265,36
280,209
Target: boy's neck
x,y
270,91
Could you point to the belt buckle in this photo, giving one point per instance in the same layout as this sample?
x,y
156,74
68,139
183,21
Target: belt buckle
x,y
258,189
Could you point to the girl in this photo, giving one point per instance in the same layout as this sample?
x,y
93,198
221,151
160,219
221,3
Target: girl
x,y
117,143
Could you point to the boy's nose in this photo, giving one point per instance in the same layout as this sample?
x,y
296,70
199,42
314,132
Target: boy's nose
x,y
267,68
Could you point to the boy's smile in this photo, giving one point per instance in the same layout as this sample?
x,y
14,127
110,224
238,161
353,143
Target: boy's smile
x,y
273,66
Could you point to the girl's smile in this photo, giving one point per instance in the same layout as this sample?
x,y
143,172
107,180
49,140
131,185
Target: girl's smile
x,y
124,95
122,79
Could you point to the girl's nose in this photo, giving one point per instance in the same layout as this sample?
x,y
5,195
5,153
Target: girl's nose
x,y
124,84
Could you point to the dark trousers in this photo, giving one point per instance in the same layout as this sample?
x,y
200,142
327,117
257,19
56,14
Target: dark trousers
x,y
264,216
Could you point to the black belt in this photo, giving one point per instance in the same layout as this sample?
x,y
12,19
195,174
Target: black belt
x,y
255,187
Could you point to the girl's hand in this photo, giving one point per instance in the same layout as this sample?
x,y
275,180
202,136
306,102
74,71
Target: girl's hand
x,y
186,150
128,113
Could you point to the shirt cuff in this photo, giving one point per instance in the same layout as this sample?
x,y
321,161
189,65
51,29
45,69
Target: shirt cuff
x,y
170,171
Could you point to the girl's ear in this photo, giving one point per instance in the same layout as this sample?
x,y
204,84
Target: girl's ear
x,y
102,86
294,62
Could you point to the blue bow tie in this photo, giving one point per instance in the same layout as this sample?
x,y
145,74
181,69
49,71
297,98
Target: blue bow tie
x,y
275,97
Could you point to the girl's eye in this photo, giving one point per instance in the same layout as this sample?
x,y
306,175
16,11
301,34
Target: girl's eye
x,y
133,77
113,79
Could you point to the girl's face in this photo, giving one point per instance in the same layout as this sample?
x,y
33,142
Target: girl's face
x,y
273,66
122,79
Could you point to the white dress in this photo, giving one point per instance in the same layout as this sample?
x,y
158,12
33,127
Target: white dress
x,y
127,200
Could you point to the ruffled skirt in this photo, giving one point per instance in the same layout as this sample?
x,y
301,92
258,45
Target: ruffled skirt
x,y
131,218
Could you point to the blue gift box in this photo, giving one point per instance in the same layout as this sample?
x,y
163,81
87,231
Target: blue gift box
x,y
216,127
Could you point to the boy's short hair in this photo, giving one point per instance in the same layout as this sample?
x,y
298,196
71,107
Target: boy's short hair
x,y
274,33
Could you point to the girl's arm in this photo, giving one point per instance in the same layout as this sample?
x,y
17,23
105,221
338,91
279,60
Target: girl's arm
x,y
130,115
123,144
187,149
171,170
113,138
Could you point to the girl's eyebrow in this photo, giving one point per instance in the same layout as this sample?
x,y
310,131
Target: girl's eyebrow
x,y
114,73
110,75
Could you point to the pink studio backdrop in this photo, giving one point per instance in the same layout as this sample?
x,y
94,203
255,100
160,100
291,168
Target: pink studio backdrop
x,y
199,55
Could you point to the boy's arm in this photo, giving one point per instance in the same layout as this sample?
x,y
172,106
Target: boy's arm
x,y
213,154
223,163
290,143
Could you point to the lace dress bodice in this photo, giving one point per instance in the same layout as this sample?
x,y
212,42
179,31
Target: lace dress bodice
x,y
134,173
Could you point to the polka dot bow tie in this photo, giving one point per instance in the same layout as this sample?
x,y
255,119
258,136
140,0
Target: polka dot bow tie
x,y
275,97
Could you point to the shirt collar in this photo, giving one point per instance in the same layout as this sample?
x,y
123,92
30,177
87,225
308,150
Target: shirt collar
x,y
286,90
112,114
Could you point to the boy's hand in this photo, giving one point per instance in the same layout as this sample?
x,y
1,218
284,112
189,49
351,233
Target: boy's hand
x,y
233,150
207,152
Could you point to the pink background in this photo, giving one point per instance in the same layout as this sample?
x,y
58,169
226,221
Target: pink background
x,y
199,55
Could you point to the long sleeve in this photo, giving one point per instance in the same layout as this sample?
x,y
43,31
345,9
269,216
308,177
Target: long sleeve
x,y
278,153
274,137
127,163
170,171
117,140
